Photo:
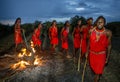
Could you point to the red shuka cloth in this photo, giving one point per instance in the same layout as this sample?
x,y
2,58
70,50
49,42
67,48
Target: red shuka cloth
x,y
77,38
97,61
89,27
54,35
84,40
35,37
18,36
65,39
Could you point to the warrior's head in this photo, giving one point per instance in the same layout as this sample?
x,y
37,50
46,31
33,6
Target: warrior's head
x,y
18,21
39,25
53,23
90,21
67,24
100,22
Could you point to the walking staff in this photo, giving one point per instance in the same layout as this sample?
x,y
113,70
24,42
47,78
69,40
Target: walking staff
x,y
79,56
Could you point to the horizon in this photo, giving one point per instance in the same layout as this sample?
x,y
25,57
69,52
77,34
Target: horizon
x,y
10,23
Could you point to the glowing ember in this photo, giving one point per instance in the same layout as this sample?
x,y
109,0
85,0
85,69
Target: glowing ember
x,y
24,53
29,54
23,49
20,55
33,50
14,66
37,61
31,44
22,63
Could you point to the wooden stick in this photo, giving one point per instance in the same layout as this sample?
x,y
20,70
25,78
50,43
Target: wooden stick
x,y
79,61
79,56
32,58
25,39
84,70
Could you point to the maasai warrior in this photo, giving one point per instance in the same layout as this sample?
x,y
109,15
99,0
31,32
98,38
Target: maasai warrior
x,y
89,23
99,47
36,37
77,38
18,34
84,33
53,35
64,37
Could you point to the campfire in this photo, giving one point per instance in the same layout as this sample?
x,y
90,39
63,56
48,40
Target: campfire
x,y
27,58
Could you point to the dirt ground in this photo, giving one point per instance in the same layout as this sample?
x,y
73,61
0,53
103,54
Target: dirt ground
x,y
55,68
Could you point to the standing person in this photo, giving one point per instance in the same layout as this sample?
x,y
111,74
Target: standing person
x,y
99,47
36,37
84,35
17,33
89,23
77,38
53,36
64,38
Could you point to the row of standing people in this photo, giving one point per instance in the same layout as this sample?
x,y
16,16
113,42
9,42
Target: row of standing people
x,y
93,40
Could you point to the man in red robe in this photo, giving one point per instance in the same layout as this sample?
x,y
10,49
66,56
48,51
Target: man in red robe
x,y
99,47
77,38
53,35
18,34
89,23
36,37
64,38
84,32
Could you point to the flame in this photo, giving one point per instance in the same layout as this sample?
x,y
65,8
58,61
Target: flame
x,y
14,66
22,63
29,54
23,49
20,55
33,49
31,44
37,61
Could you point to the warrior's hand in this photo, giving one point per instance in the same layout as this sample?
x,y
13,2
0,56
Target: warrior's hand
x,y
86,54
23,30
106,61
62,38
49,37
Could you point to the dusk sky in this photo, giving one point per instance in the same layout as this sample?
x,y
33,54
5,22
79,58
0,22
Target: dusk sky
x,y
60,10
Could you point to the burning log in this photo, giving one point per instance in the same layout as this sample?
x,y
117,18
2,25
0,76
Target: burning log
x,y
27,57
31,58
30,48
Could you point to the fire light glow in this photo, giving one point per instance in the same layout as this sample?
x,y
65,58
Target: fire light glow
x,y
22,64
